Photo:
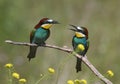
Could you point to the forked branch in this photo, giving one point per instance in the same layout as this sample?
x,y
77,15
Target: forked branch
x,y
84,59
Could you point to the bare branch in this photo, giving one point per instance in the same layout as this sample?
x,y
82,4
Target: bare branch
x,y
84,59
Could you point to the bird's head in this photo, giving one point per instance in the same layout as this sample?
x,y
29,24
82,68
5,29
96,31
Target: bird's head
x,y
46,23
80,31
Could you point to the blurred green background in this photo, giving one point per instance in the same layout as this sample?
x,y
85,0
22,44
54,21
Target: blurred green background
x,y
101,17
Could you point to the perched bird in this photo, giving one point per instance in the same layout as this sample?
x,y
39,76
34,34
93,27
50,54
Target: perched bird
x,y
40,34
80,43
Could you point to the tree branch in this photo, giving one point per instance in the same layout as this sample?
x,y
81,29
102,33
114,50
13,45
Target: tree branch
x,y
84,59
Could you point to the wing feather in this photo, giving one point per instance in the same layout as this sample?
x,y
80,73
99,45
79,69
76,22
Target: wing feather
x,y
32,33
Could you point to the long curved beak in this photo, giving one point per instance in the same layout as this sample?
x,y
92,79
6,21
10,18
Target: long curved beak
x,y
75,28
55,22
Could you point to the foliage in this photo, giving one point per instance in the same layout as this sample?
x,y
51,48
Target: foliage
x,y
101,17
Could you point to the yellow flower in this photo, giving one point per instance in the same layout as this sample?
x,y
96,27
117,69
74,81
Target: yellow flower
x,y
9,65
77,81
81,47
15,75
51,70
70,82
110,73
22,80
83,81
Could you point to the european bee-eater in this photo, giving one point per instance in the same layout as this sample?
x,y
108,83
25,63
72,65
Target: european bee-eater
x,y
80,43
40,34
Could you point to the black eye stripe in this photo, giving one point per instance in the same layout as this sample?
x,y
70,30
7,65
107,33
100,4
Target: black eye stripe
x,y
79,30
49,22
82,31
46,22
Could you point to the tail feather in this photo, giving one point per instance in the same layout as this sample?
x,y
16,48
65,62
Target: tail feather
x,y
78,65
32,52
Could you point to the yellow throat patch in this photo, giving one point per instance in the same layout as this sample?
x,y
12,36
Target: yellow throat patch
x,y
46,26
79,34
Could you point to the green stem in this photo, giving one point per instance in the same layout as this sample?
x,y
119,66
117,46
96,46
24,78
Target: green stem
x,y
10,77
61,65
41,79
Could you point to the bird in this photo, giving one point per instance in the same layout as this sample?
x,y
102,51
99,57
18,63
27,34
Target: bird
x,y
40,34
80,43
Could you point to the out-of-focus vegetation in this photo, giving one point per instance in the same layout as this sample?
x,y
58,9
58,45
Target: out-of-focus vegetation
x,y
101,17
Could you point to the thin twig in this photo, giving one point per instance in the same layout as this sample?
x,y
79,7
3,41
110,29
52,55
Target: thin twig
x,y
84,59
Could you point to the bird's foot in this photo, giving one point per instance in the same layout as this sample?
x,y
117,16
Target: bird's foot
x,y
42,44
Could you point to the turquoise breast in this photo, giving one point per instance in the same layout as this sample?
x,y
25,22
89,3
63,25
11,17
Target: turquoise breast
x,y
41,35
80,41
